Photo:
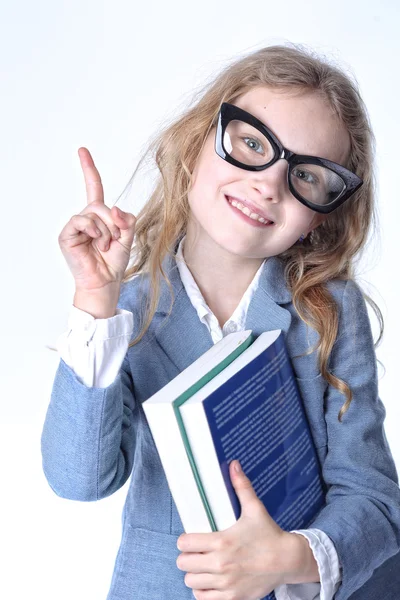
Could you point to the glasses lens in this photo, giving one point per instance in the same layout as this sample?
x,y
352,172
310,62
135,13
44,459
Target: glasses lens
x,y
247,144
316,184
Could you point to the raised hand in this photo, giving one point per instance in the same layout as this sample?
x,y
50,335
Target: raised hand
x,y
96,243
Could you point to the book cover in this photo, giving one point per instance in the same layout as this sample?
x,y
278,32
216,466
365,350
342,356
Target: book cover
x,y
257,417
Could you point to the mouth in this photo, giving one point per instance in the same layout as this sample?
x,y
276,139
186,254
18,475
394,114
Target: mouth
x,y
249,212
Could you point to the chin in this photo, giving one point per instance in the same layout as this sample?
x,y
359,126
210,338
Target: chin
x,y
239,248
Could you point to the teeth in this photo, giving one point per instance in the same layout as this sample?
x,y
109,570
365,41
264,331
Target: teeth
x,y
248,212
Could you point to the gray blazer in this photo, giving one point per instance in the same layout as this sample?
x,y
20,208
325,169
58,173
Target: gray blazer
x,y
94,439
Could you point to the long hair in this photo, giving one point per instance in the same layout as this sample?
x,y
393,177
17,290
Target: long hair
x,y
329,252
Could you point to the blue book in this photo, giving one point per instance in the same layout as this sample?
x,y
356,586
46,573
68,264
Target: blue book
x,y
238,401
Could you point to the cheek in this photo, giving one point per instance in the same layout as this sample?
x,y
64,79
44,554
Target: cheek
x,y
303,216
200,176
205,163
207,180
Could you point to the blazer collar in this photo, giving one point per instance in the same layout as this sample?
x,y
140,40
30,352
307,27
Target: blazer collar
x,y
184,337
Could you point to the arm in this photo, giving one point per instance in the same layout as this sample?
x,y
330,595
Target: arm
x,y
87,440
362,511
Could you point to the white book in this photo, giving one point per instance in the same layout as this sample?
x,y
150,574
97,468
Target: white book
x,y
237,401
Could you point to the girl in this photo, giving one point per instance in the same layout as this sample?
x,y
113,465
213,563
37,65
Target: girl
x,y
265,196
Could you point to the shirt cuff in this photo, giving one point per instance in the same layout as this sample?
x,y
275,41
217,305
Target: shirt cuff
x,y
95,348
327,559
89,327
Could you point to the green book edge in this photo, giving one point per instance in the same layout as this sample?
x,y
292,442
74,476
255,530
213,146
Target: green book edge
x,y
177,403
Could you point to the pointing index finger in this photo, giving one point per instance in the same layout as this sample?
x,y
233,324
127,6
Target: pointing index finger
x,y
94,186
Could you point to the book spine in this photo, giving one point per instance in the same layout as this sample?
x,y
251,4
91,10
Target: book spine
x,y
180,401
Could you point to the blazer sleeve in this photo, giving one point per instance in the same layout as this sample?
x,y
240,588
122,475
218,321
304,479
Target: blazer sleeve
x,y
88,438
362,510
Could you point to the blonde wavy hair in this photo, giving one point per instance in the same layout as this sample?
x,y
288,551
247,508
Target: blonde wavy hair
x,y
328,253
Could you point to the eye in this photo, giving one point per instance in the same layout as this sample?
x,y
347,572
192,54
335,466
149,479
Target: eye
x,y
254,144
305,176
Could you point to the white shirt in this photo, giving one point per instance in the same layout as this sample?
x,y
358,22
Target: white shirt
x,y
95,349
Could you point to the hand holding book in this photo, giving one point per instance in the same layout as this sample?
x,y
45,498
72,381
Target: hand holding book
x,y
249,559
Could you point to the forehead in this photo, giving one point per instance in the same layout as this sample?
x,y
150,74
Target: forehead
x,y
302,121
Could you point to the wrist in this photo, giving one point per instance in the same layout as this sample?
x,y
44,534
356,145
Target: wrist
x,y
101,304
302,567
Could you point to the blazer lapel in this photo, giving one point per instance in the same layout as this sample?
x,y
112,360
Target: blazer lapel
x,y
182,335
265,312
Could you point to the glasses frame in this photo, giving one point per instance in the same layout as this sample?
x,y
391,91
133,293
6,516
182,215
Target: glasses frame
x,y
230,112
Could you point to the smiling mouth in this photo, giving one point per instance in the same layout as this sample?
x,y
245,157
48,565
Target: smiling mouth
x,y
247,211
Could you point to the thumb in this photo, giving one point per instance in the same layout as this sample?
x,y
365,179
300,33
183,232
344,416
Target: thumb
x,y
125,220
126,223
243,487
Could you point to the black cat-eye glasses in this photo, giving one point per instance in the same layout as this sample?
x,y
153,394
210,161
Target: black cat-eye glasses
x,y
244,141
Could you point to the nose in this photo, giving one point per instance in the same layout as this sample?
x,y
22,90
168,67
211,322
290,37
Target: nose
x,y
271,183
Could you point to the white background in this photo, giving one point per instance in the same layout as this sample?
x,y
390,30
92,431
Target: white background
x,y
104,75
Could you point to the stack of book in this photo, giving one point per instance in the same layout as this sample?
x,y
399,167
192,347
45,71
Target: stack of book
x,y
239,400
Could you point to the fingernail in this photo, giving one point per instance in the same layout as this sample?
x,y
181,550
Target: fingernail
x,y
237,467
116,234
